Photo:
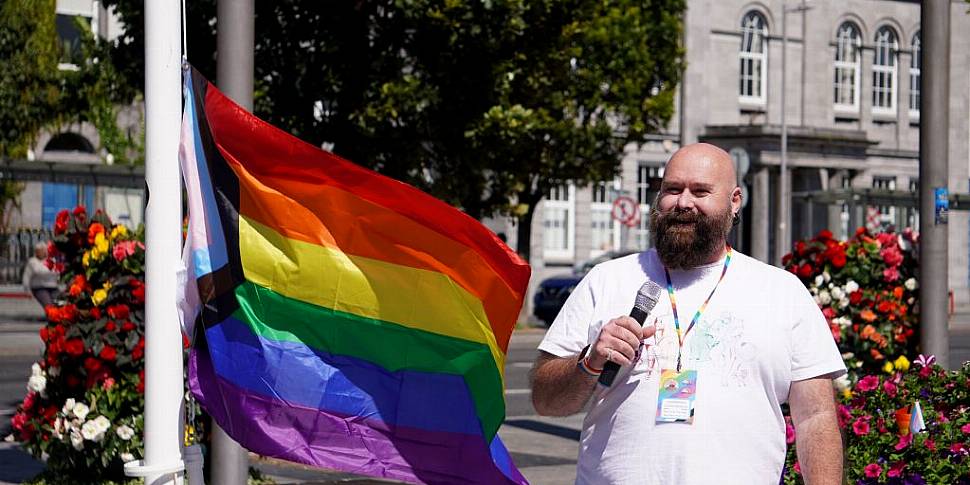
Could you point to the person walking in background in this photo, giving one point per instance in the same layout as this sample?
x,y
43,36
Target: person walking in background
x,y
38,278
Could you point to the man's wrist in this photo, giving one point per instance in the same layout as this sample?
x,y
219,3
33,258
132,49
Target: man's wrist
x,y
583,363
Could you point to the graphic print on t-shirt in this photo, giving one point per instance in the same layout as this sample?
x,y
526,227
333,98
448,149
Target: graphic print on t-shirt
x,y
717,344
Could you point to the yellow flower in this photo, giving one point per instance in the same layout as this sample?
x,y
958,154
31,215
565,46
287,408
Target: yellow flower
x,y
119,231
86,259
106,285
888,368
99,296
902,363
100,243
847,393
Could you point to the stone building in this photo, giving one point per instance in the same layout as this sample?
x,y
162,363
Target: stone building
x,y
852,110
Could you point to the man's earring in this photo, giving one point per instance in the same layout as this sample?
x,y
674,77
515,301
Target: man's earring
x,y
736,219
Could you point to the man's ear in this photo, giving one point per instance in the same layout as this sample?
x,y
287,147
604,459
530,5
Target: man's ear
x,y
736,199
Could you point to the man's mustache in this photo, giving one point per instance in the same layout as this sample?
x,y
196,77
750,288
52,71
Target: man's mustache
x,y
680,217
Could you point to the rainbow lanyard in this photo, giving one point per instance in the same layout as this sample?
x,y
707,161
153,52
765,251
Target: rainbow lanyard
x,y
697,316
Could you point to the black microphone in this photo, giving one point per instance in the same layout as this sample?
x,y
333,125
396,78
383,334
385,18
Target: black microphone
x,y
646,299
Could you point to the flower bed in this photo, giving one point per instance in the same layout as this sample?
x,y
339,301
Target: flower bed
x,y
880,450
867,290
83,410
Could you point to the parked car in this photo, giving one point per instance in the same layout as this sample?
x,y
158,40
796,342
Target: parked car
x,y
553,291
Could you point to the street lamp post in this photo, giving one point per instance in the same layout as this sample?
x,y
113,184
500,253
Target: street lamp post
x,y
783,233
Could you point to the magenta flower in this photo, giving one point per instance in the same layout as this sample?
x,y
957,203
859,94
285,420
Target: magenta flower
x,y
896,470
861,426
959,448
890,388
873,470
965,428
789,433
867,383
904,441
890,274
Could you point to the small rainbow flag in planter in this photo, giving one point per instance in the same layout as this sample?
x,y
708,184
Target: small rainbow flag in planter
x,y
343,320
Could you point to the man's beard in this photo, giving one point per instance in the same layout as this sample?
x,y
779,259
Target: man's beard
x,y
686,239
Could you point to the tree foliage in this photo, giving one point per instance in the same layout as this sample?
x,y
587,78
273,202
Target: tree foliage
x,y
485,104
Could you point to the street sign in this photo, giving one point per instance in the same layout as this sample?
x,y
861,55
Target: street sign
x,y
626,211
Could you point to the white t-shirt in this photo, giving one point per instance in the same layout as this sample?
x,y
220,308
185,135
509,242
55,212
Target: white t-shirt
x,y
760,332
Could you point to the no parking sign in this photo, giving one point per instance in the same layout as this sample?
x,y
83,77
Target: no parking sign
x,y
626,211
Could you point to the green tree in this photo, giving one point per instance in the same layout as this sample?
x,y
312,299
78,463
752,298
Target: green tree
x,y
484,104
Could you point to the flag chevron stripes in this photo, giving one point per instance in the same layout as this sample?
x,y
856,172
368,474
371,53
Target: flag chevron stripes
x,y
347,320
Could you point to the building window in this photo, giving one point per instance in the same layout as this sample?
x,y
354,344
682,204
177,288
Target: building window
x,y
647,184
884,72
754,59
69,37
558,222
605,234
914,73
848,63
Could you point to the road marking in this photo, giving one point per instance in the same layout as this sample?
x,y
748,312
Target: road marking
x,y
7,412
517,391
526,365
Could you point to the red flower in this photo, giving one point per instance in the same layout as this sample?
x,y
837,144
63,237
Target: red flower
x,y
29,401
138,291
108,353
861,426
95,313
60,223
873,470
92,365
805,270
80,212
118,312
800,248
867,383
127,326
959,448
890,274
838,259
140,387
110,326
824,235
885,306
896,469
855,297
43,334
828,312
74,347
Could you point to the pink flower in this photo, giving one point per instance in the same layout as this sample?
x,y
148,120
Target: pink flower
x,y
959,448
904,441
896,470
890,274
873,470
890,388
965,428
861,426
925,372
845,414
123,249
887,240
892,256
789,433
867,383
108,383
797,467
930,444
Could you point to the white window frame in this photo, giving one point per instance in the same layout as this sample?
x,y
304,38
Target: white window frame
x,y
848,44
92,15
883,49
752,36
915,71
887,213
561,199
642,231
600,208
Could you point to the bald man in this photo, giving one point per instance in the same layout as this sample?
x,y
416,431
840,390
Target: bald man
x,y
699,393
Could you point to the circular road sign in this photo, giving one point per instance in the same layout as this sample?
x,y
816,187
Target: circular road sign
x,y
626,211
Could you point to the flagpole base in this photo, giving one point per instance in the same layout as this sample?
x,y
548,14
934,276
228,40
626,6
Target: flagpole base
x,y
138,468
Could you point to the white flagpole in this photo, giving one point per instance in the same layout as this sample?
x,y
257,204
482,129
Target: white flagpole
x,y
163,215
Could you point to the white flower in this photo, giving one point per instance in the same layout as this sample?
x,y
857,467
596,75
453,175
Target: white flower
x,y
125,433
91,432
37,384
842,383
35,370
819,280
910,284
910,301
126,457
837,293
843,321
844,302
77,440
102,423
851,287
824,297
68,407
58,428
81,410
847,356
826,276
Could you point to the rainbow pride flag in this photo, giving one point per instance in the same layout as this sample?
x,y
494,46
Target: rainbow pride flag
x,y
344,319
